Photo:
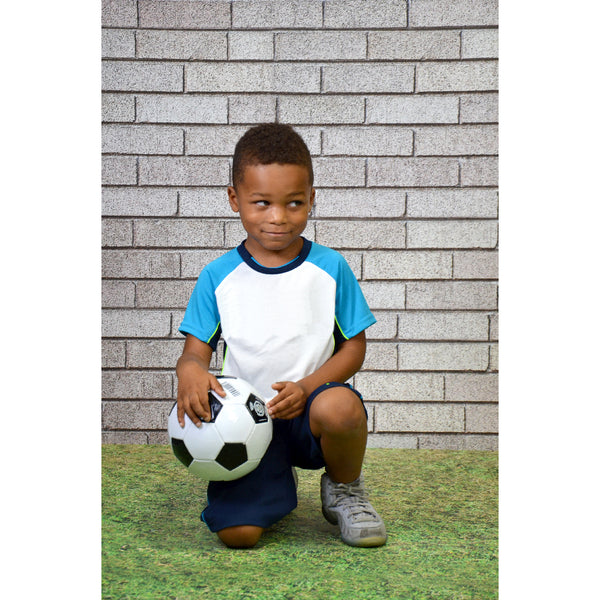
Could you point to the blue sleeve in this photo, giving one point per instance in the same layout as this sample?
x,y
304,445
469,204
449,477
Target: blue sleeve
x,y
202,318
352,313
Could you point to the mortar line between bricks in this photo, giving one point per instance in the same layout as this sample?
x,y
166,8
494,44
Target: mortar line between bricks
x,y
453,157
437,341
300,30
332,94
405,189
444,311
394,340
314,62
374,419
339,249
408,126
370,341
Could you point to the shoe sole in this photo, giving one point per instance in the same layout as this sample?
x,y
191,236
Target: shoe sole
x,y
368,542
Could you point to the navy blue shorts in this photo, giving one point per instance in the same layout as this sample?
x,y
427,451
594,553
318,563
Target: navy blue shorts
x,y
268,493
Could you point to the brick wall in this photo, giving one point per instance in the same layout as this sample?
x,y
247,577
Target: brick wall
x,y
397,101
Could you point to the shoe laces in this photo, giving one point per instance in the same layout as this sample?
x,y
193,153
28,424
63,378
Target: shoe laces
x,y
352,498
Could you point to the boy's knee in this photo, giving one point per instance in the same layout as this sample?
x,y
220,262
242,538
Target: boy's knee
x,y
242,536
337,411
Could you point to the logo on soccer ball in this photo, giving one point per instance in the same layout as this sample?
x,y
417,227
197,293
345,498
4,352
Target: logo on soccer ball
x,y
257,409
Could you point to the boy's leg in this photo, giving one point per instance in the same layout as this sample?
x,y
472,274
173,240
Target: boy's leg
x,y
338,420
241,536
240,510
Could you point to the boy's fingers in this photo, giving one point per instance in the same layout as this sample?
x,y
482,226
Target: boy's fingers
x,y
276,403
217,387
203,409
282,407
180,413
196,411
272,406
289,413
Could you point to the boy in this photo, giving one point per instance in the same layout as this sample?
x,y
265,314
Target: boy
x,y
293,318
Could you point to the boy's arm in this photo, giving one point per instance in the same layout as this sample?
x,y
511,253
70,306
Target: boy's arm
x,y
292,396
194,381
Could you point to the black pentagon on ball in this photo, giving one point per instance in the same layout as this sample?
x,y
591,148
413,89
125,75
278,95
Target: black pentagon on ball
x,y
257,409
232,456
181,452
215,406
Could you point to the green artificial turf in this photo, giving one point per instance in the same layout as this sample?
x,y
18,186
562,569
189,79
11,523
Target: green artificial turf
x,y
439,507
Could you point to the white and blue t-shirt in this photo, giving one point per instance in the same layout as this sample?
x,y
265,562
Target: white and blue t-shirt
x,y
278,324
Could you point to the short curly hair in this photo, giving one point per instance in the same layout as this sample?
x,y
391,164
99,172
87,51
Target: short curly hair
x,y
270,143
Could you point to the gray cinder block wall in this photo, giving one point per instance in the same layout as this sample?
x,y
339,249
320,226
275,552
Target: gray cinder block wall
x,y
397,101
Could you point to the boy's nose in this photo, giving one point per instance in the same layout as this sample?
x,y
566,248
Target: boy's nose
x,y
277,214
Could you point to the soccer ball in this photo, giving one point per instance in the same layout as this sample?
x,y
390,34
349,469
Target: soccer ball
x,y
235,439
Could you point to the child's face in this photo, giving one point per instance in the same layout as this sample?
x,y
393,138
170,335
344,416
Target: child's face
x,y
274,202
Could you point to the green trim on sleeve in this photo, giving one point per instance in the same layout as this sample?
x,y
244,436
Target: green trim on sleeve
x,y
214,333
341,330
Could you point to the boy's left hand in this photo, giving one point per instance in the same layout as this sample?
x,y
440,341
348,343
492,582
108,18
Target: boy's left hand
x,y
289,402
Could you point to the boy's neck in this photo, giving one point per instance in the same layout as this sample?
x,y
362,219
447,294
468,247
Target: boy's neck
x,y
274,258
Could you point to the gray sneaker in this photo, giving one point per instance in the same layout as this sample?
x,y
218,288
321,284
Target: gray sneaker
x,y
346,505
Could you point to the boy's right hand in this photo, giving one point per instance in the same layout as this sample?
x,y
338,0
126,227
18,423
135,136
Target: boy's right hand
x,y
192,393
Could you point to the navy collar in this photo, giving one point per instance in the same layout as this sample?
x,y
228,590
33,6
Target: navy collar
x,y
296,262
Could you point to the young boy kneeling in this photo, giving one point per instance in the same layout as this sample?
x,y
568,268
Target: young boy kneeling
x,y
293,319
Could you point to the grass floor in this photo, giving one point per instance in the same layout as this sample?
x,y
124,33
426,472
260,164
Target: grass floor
x,y
440,510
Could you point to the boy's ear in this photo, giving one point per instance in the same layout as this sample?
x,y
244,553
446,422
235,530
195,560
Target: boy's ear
x,y
311,199
233,201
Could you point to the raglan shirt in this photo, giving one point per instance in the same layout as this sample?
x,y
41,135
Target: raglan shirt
x,y
278,324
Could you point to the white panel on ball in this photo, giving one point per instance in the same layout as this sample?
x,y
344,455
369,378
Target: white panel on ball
x,y
234,425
